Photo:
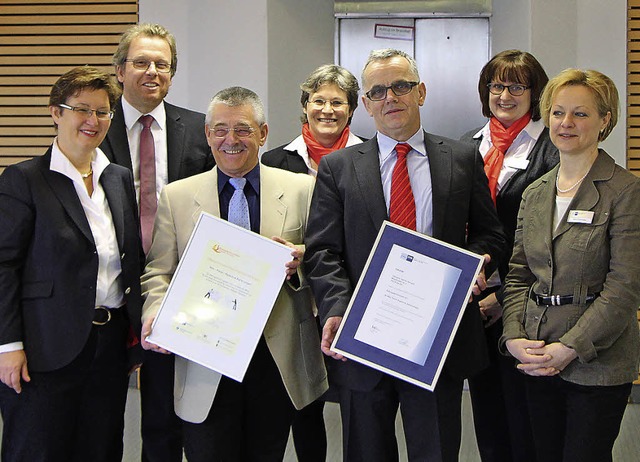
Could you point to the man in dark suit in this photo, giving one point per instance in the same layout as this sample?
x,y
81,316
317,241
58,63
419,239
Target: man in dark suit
x,y
354,194
146,61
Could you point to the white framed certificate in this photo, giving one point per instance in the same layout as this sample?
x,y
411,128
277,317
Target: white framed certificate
x,y
221,296
407,305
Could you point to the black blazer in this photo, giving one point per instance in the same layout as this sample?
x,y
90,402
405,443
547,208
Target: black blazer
x,y
287,160
49,263
542,158
187,149
347,211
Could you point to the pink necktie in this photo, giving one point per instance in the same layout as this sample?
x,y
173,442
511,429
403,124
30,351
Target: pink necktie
x,y
148,199
402,207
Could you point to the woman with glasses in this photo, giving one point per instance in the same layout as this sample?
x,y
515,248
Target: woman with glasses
x,y
573,289
329,98
70,261
516,150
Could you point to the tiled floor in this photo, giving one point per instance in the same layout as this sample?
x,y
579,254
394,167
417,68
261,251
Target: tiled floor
x,y
627,448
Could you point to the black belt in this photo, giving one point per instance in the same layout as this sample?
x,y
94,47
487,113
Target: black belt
x,y
557,300
102,315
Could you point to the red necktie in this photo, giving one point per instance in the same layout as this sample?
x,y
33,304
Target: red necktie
x,y
402,207
148,199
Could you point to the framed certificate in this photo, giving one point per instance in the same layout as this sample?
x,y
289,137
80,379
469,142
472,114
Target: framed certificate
x,y
407,305
221,296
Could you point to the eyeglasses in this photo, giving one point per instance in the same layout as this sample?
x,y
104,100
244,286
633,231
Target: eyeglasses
x,y
143,65
87,113
399,88
321,103
241,132
515,89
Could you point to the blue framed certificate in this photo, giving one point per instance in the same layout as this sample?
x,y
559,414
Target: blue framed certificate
x,y
407,305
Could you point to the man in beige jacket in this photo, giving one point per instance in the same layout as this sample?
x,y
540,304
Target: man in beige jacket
x,y
224,419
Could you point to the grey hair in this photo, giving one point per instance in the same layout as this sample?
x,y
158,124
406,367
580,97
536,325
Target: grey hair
x,y
237,96
326,75
388,53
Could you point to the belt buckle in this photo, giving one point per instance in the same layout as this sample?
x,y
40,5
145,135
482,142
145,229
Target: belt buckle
x,y
101,323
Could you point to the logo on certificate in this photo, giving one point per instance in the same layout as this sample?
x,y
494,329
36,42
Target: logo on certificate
x,y
407,257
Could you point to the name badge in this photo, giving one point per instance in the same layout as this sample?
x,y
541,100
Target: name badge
x,y
580,216
519,164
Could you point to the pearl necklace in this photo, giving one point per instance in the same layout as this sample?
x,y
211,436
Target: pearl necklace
x,y
570,188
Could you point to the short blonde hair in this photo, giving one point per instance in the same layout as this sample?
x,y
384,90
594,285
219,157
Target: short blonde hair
x,y
602,87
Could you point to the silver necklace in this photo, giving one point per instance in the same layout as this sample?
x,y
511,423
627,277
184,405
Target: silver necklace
x,y
570,188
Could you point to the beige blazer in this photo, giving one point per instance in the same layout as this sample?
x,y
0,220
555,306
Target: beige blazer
x,y
291,333
577,259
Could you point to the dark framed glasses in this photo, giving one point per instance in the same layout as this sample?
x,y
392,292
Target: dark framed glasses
x,y
399,88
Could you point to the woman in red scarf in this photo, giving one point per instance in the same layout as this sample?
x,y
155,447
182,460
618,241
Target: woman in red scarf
x,y
329,97
516,149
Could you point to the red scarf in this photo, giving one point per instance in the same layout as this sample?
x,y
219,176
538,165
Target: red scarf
x,y
501,139
315,150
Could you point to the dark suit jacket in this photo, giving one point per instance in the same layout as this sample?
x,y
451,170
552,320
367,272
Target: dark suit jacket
x,y
49,263
287,160
347,211
542,158
187,149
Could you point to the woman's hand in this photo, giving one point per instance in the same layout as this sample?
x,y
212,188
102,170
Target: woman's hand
x,y
530,356
490,309
13,367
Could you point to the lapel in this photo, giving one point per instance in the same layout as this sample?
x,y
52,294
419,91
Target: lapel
x,y
175,141
542,205
273,210
366,165
64,191
587,195
440,167
206,196
113,190
117,140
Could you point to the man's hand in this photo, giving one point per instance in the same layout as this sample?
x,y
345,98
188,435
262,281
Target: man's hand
x,y
481,280
296,254
13,367
328,334
146,331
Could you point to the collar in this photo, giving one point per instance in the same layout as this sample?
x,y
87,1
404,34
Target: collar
x,y
386,145
533,130
131,115
253,178
61,163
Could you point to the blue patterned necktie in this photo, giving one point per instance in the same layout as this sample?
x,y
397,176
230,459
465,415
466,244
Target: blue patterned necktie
x,y
238,206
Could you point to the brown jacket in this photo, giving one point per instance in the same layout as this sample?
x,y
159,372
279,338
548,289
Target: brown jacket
x,y
579,259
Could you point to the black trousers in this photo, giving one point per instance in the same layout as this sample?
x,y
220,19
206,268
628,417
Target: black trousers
x,y
431,421
575,423
161,428
75,413
500,412
248,421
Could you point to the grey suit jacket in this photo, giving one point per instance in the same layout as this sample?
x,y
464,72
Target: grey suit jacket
x,y
577,259
187,150
291,332
347,211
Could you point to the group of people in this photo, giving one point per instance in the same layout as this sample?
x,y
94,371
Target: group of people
x,y
92,232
